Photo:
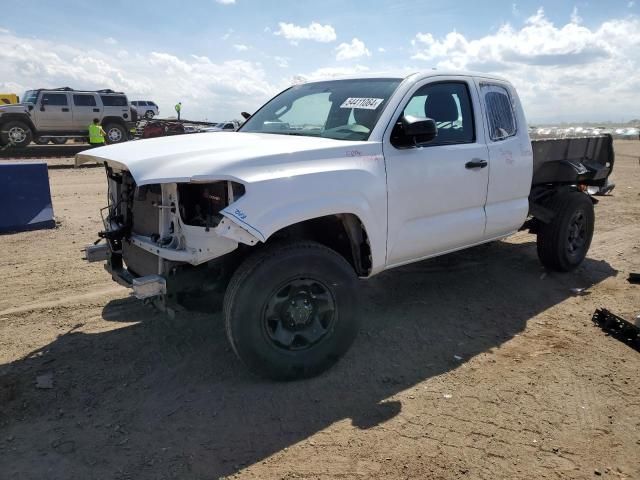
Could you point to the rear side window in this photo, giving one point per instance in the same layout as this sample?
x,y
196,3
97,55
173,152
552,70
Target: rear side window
x,y
113,100
55,99
500,112
134,103
84,100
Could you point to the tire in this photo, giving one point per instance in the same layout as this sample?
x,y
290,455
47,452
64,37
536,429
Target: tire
x,y
40,141
16,132
116,133
59,140
291,310
149,114
564,242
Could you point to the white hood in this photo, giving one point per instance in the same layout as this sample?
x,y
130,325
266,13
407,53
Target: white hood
x,y
238,156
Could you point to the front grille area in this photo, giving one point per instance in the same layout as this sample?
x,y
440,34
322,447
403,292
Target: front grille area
x,y
139,261
145,211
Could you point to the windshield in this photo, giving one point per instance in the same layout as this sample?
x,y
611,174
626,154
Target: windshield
x,y
338,109
30,96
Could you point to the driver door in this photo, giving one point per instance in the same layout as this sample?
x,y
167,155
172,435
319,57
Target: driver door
x,y
437,191
53,111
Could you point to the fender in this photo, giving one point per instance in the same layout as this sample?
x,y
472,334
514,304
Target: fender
x,y
268,207
20,117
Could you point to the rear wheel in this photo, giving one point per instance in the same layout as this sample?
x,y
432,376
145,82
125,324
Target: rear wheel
x,y
564,242
59,140
291,310
149,114
41,141
115,133
17,133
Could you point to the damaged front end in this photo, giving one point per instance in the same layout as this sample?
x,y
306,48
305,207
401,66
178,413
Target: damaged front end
x,y
169,241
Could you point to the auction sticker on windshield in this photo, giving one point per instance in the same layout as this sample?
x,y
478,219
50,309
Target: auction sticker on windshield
x,y
364,103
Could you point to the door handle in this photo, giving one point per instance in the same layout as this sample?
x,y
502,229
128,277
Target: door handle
x,y
65,109
96,110
476,163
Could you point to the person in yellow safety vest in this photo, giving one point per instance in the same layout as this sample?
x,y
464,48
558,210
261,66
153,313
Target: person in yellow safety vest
x,y
96,133
178,107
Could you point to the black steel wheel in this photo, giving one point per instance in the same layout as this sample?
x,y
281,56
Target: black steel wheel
x,y
291,310
299,314
564,242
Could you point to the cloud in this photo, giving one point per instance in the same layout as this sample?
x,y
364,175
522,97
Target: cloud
x,y
108,40
226,2
569,69
355,49
282,62
315,31
240,47
213,90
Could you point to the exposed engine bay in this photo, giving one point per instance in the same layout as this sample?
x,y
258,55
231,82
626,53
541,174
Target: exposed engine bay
x,y
160,230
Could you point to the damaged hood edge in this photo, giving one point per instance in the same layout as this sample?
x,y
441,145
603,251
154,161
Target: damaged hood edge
x,y
235,156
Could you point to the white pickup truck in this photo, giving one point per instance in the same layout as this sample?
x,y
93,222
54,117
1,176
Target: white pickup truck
x,y
330,181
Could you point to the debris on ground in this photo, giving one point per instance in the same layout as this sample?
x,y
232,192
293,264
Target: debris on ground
x,y
580,291
618,327
44,381
634,278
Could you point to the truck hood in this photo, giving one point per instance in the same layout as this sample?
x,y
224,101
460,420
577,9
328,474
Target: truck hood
x,y
13,108
238,156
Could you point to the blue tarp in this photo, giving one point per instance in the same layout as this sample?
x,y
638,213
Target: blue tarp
x,y
25,197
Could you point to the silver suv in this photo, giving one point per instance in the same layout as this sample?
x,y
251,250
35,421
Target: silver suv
x,y
64,113
145,108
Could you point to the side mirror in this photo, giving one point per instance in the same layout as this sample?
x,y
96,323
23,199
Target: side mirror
x,y
417,130
245,115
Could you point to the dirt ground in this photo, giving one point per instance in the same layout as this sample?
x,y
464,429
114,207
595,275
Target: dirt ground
x,y
474,365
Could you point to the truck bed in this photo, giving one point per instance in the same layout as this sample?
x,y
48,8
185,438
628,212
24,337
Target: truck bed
x,y
571,161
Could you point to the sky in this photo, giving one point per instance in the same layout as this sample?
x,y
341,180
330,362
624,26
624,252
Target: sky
x,y
569,60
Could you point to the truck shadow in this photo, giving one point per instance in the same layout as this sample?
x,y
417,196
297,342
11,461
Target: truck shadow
x,y
159,397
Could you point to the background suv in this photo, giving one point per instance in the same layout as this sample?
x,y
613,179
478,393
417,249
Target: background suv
x,y
145,108
64,113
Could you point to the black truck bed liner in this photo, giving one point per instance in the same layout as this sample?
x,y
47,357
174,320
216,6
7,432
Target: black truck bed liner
x,y
571,161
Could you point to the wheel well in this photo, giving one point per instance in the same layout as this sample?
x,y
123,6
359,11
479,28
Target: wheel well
x,y
343,233
118,120
17,117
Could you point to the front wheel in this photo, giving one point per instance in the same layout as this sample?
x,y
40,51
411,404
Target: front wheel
x,y
149,114
564,242
16,133
291,310
116,133
59,140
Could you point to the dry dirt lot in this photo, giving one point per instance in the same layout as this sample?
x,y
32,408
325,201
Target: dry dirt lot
x,y
475,365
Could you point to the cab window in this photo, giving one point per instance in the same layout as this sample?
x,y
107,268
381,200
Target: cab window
x,y
449,105
58,99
